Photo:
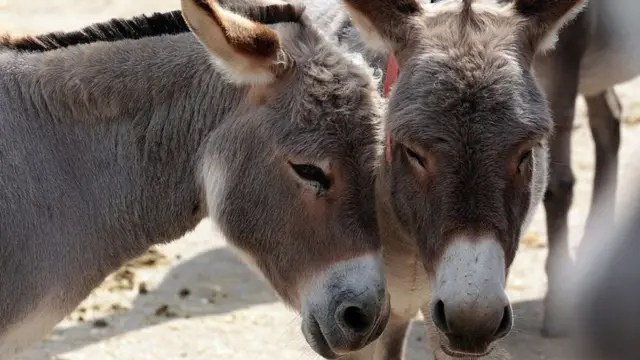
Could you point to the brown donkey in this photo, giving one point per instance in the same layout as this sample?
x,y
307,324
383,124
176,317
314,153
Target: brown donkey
x,y
127,133
465,166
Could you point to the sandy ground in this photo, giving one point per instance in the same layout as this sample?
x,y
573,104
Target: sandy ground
x,y
194,299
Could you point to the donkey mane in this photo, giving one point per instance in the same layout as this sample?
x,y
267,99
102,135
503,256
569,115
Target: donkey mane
x,y
116,29
156,24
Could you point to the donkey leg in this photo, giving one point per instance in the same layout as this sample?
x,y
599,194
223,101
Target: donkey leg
x,y
557,203
392,342
561,89
558,72
604,120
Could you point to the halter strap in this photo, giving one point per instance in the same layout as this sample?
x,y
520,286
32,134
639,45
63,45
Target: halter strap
x,y
393,71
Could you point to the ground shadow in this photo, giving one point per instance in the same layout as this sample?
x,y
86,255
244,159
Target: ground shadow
x,y
214,282
218,282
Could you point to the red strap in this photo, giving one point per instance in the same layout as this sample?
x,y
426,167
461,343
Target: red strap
x,y
393,71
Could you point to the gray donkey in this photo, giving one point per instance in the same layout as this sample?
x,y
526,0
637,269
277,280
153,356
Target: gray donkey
x,y
127,133
465,166
595,52
607,286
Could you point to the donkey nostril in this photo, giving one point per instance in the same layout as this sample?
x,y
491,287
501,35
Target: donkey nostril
x,y
356,319
439,317
505,324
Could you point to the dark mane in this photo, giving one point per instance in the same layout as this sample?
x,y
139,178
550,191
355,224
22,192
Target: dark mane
x,y
157,24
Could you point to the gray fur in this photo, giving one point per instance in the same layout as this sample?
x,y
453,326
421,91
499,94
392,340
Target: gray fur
x,y
606,294
594,53
109,148
467,104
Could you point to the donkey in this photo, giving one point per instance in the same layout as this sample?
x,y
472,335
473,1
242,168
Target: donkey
x,y
465,163
595,52
127,133
607,299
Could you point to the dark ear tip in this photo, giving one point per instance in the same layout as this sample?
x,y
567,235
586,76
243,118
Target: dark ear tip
x,y
537,7
530,7
293,12
409,7
279,13
297,9
404,7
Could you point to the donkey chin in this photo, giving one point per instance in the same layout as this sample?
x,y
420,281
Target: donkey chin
x,y
469,307
346,308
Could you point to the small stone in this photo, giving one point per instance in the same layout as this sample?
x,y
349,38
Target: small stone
x,y
142,288
164,310
117,308
100,323
184,293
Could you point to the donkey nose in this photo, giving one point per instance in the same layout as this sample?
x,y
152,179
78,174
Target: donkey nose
x,y
490,319
356,319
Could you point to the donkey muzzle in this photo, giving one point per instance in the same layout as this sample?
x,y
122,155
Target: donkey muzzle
x,y
470,306
348,309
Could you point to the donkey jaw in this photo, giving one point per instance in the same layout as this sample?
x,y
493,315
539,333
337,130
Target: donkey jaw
x,y
346,307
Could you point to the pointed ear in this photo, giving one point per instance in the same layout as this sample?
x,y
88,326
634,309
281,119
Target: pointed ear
x,y
246,50
544,19
386,25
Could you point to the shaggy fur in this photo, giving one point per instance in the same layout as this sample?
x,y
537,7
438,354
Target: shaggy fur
x,y
123,139
468,129
594,53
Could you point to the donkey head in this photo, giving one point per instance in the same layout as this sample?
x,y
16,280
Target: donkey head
x,y
466,157
289,175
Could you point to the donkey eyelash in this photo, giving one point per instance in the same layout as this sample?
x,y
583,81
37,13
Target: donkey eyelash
x,y
312,174
414,155
525,159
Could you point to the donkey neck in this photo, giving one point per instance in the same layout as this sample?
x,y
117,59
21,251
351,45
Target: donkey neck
x,y
127,120
150,80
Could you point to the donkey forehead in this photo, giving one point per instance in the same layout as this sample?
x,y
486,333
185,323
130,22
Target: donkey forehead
x,y
494,29
444,102
331,108
346,145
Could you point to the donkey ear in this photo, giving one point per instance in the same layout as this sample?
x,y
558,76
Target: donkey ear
x,y
544,20
385,24
248,51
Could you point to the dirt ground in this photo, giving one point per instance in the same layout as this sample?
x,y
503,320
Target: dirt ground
x,y
194,299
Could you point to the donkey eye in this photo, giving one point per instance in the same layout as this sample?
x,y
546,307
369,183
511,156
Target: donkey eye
x,y
524,162
312,173
413,155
